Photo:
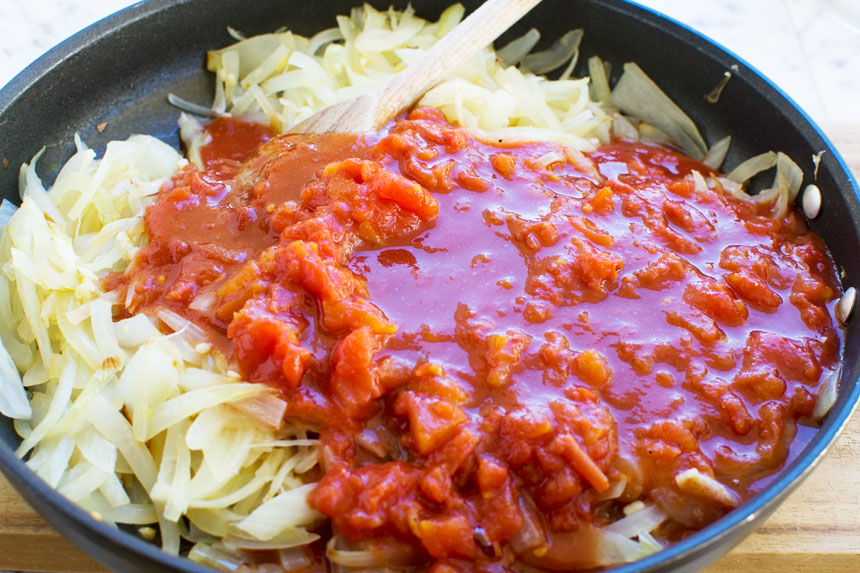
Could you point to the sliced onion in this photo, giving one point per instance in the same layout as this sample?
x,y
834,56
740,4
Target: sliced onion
x,y
294,559
190,403
816,162
204,302
193,137
615,489
190,107
714,95
7,209
369,440
788,176
267,408
532,534
562,50
697,483
549,158
624,129
827,395
215,558
584,548
283,512
382,554
515,50
752,167
653,133
188,329
637,94
287,539
644,520
323,39
717,153
599,79
451,16
648,544
13,396
699,181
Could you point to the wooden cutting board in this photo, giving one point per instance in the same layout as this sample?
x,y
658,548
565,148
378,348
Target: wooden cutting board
x,y
816,529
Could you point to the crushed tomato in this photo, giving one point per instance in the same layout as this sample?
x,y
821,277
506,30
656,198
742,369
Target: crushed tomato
x,y
487,335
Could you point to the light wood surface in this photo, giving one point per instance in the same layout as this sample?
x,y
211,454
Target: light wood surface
x,y
816,530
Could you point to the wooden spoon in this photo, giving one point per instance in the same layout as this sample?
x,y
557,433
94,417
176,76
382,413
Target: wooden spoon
x,y
371,111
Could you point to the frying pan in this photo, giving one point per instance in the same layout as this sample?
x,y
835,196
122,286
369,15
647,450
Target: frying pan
x,y
120,70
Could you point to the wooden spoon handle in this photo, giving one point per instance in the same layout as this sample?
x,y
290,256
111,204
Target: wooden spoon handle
x,y
474,33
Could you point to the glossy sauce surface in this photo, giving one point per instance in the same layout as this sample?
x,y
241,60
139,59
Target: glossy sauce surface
x,y
495,338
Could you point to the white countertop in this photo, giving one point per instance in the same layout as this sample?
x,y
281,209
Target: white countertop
x,y
810,48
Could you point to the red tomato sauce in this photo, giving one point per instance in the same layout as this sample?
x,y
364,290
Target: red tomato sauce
x,y
500,344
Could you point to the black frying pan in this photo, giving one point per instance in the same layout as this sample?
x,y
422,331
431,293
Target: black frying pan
x,y
120,70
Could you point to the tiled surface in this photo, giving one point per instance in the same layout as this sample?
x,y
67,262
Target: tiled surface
x,y
811,48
